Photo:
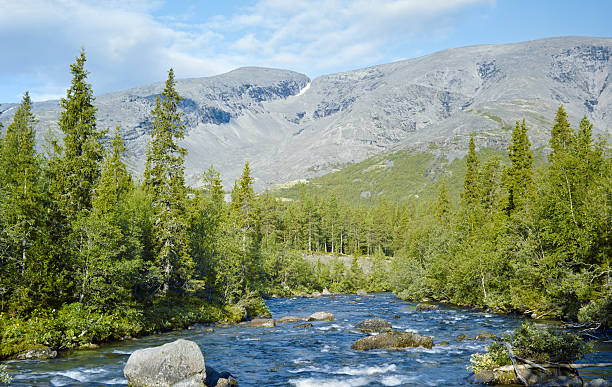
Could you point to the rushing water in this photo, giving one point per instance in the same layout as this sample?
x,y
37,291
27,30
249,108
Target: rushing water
x,y
318,356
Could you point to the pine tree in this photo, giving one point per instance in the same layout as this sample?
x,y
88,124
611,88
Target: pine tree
x,y
76,169
164,179
519,176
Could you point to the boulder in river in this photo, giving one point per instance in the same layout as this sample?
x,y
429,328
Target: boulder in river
x,y
392,340
219,379
321,316
41,353
421,307
553,376
362,293
290,319
374,325
326,292
305,325
262,322
177,363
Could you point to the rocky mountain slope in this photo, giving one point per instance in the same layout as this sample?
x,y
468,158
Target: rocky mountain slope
x,y
290,127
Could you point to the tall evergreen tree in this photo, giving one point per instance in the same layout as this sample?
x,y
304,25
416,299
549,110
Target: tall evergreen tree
x,y
20,196
240,268
115,181
164,179
470,195
519,176
77,168
442,204
561,135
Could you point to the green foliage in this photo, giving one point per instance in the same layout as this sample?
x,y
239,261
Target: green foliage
x,y
536,344
164,178
5,378
597,312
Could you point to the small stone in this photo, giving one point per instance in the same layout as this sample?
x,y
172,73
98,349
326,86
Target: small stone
x,y
421,307
442,343
290,319
262,322
321,316
397,316
485,336
305,325
37,354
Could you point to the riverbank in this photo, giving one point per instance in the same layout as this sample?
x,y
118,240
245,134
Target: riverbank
x,y
75,326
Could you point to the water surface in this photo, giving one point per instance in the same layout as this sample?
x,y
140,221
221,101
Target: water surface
x,y
318,356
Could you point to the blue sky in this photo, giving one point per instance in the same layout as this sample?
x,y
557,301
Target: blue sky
x,y
133,42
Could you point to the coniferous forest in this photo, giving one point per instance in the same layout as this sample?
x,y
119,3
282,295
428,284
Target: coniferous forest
x,y
90,253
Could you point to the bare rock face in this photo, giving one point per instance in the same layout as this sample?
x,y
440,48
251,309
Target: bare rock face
x,y
392,340
321,316
293,128
179,363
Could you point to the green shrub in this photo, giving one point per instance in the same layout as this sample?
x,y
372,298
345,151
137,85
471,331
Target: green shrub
x,y
597,312
5,378
533,343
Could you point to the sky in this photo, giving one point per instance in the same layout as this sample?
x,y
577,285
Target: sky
x,y
134,42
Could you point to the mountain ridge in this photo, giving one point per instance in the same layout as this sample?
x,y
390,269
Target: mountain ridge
x,y
291,127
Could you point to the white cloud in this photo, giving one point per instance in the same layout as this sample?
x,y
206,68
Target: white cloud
x,y
127,46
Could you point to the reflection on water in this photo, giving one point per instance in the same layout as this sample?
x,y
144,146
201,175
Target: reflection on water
x,y
317,356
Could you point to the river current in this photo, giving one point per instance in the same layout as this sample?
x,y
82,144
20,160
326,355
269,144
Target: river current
x,y
317,356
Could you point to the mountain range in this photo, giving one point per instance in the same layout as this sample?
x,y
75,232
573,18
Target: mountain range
x,y
290,127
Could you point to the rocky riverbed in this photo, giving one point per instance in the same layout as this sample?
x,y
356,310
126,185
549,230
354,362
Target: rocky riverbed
x,y
312,355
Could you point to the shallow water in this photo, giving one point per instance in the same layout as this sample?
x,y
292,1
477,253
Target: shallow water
x,y
319,356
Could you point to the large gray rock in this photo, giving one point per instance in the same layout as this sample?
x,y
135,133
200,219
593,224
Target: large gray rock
x,y
321,316
373,325
179,363
294,128
392,340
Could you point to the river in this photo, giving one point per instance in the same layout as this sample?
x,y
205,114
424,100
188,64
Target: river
x,y
317,356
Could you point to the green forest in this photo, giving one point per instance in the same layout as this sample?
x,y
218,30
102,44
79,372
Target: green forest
x,y
89,253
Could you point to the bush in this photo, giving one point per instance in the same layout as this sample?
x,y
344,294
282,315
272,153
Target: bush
x,y
597,312
5,378
533,343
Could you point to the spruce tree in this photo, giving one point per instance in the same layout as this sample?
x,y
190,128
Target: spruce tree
x,y
20,194
115,181
519,176
470,195
165,181
442,204
76,170
561,135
